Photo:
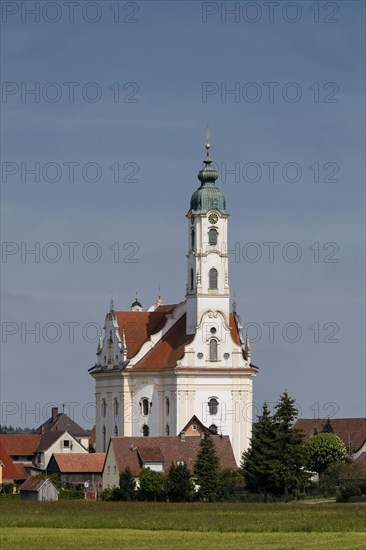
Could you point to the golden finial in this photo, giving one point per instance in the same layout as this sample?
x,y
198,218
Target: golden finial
x,y
208,138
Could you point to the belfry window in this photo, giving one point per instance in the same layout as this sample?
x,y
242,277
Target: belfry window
x,y
213,406
192,239
213,277
192,279
167,430
104,407
212,237
115,406
167,406
116,431
213,350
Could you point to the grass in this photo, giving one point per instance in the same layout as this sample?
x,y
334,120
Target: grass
x,y
197,525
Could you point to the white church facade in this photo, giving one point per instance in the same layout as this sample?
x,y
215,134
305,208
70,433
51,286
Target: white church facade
x,y
158,368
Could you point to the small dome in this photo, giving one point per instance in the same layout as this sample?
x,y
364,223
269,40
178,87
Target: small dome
x,y
136,303
208,196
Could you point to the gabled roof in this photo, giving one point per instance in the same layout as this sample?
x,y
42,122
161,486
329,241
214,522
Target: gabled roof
x,y
152,454
170,349
33,484
80,462
9,469
61,423
49,438
197,421
139,326
20,444
352,431
127,451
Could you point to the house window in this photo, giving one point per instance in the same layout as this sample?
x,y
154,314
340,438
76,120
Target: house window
x,y
192,239
180,463
115,431
145,430
192,279
212,237
194,426
167,430
104,439
213,350
144,405
167,406
213,406
66,444
213,277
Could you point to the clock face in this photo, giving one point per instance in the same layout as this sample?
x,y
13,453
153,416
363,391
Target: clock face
x,y
213,218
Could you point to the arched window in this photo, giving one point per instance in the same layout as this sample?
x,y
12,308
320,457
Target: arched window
x,y
104,442
167,406
192,239
167,430
213,429
145,430
116,431
213,350
213,406
212,278
212,237
192,279
115,406
104,407
145,406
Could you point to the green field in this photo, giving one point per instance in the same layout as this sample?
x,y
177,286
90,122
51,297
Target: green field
x,y
71,524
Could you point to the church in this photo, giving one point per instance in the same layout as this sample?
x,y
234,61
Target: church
x,y
159,368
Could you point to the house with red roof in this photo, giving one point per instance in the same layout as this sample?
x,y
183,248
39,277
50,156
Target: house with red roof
x,y
157,368
77,468
158,453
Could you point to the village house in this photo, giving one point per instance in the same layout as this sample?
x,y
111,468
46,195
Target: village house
x,y
78,468
55,442
158,453
61,422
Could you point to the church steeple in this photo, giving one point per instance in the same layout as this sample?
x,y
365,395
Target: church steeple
x,y
207,277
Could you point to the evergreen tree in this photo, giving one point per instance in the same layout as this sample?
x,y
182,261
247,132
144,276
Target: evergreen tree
x,y
127,486
327,427
179,483
260,461
289,474
228,484
206,469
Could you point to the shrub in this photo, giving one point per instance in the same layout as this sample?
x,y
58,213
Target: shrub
x,y
71,494
347,490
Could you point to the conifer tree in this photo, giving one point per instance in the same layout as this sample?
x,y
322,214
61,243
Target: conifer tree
x,y
206,469
260,461
327,427
127,486
289,473
179,483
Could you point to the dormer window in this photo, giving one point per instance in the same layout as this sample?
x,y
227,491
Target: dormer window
x,y
212,237
213,278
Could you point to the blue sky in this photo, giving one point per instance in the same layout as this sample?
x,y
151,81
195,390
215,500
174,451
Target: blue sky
x,y
159,75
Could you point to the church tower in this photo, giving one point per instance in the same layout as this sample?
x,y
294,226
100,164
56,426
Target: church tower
x,y
207,277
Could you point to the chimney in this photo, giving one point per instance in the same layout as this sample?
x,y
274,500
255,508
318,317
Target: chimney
x,y
182,436
54,412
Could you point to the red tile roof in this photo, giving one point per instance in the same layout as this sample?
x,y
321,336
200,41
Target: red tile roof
x,y
22,472
170,349
80,462
20,445
9,470
140,325
350,430
128,449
